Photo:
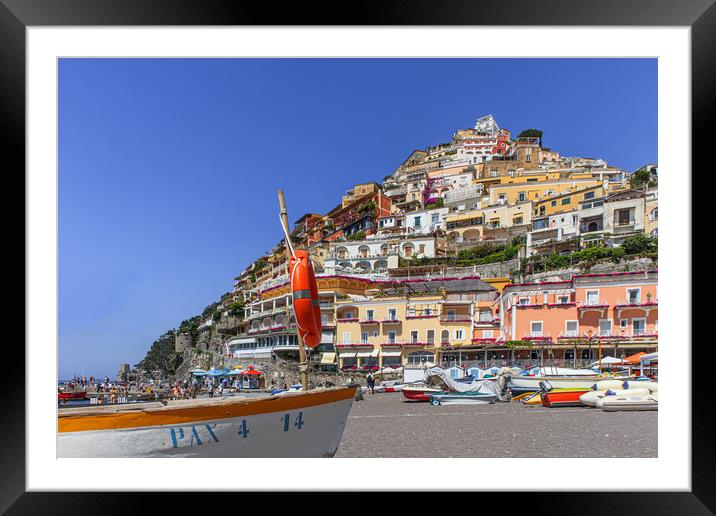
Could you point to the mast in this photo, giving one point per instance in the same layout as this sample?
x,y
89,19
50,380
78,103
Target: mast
x,y
303,364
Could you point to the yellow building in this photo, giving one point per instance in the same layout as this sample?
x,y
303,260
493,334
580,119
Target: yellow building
x,y
392,330
470,225
512,193
566,201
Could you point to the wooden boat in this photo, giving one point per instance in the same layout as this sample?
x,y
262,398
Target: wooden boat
x,y
462,398
300,424
418,392
563,398
79,395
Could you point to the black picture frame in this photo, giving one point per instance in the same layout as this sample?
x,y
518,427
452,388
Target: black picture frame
x,y
17,15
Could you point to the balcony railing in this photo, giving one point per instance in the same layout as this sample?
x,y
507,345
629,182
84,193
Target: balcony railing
x,y
585,305
459,318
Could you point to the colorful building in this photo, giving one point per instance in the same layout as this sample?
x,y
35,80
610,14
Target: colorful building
x,y
572,319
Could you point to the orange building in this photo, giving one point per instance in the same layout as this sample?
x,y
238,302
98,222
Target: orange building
x,y
572,320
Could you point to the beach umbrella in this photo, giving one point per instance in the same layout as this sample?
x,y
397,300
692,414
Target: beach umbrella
x,y
608,361
250,371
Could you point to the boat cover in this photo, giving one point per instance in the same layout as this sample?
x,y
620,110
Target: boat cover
x,y
438,376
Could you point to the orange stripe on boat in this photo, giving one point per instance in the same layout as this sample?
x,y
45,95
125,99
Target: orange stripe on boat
x,y
178,415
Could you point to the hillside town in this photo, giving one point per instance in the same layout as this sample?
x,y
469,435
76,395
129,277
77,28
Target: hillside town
x,y
486,250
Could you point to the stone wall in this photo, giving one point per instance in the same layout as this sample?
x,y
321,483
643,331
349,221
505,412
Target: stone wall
x,y
638,264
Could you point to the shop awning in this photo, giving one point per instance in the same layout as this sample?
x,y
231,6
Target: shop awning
x,y
328,358
347,354
464,216
364,354
390,353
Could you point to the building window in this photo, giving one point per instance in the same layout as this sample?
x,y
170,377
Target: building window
x,y
486,334
554,203
571,328
370,314
431,337
346,337
364,337
392,314
391,337
623,217
536,329
633,296
414,336
592,297
521,196
435,218
450,315
589,195
566,200
564,299
654,215
605,327
638,326
459,334
445,337
523,301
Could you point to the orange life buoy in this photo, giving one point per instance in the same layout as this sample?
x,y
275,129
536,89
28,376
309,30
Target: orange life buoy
x,y
305,299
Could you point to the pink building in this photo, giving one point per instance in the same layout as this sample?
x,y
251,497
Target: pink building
x,y
572,318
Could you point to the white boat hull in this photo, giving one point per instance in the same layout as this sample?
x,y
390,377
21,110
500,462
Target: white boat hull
x,y
531,383
619,403
298,428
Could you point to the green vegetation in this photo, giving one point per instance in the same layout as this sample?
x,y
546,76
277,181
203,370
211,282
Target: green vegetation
x,y
642,178
358,235
437,204
162,356
634,246
369,206
390,186
236,309
210,310
489,253
191,326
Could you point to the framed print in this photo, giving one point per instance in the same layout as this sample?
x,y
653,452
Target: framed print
x,y
259,239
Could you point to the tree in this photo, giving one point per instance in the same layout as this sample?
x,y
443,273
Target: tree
x,y
236,309
642,178
531,133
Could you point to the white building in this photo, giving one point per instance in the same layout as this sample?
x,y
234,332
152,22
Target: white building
x,y
376,254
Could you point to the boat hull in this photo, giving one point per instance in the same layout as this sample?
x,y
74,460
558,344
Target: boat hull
x,y
520,384
71,395
305,424
418,394
563,398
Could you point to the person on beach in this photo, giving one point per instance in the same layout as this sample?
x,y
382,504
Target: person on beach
x,y
370,382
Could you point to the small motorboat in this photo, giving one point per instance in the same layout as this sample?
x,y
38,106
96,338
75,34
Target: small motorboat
x,y
462,398
418,392
632,401
394,388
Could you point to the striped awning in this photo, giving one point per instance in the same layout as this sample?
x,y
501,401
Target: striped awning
x,y
347,354
390,353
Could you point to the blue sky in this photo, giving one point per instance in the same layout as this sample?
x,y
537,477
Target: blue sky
x,y
168,168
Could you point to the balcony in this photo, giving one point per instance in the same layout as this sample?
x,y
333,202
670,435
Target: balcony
x,y
647,306
347,319
592,306
428,316
369,321
391,321
458,318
